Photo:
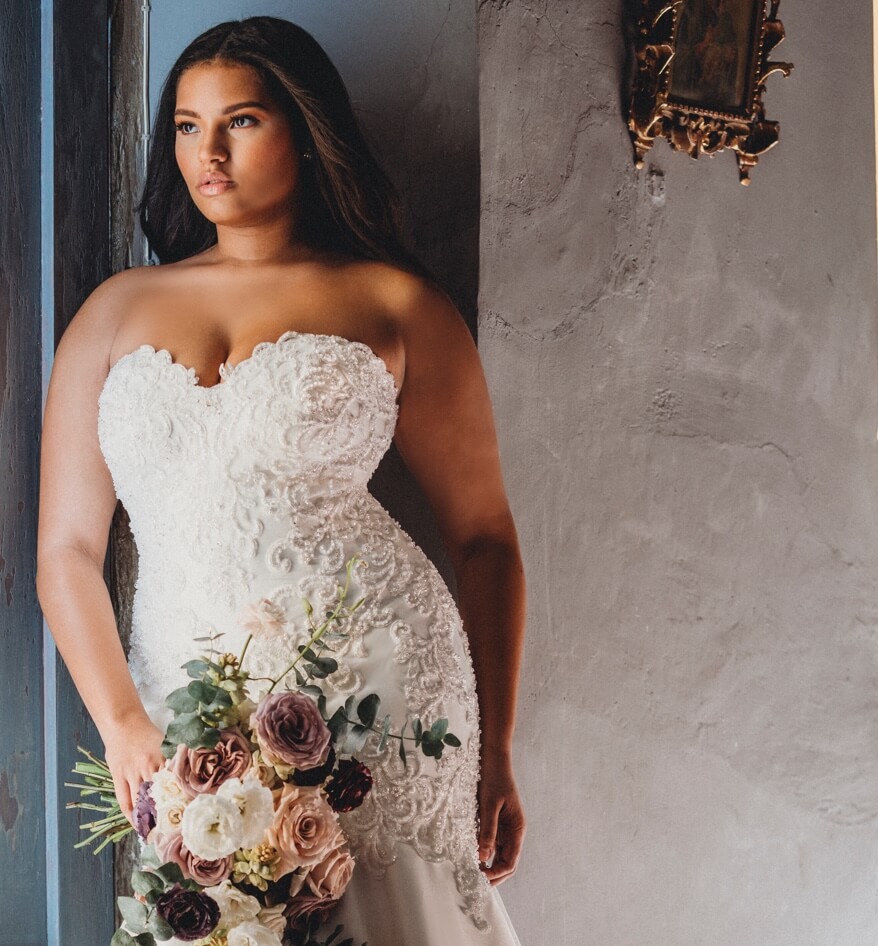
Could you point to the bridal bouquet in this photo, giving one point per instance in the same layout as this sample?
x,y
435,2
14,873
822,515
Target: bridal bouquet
x,y
242,844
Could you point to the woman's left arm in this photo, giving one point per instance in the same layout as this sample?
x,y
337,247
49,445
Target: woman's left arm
x,y
446,436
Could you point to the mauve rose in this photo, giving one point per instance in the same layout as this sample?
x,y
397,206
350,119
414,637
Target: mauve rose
x,y
349,786
144,810
207,873
300,909
317,775
204,770
330,877
191,914
291,731
304,829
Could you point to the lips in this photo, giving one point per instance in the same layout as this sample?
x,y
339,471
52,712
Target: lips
x,y
212,182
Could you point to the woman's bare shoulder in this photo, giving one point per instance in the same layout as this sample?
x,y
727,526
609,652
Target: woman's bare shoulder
x,y
96,323
412,300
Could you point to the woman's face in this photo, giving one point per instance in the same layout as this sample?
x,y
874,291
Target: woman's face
x,y
234,145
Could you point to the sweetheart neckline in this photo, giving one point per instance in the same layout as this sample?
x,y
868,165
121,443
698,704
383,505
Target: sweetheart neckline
x,y
229,371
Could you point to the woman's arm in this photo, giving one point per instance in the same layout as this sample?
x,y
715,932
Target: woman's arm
x,y
446,435
77,500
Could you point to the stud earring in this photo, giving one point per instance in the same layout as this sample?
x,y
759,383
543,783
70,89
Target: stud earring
x,y
306,154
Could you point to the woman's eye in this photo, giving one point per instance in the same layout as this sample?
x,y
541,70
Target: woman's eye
x,y
244,118
181,126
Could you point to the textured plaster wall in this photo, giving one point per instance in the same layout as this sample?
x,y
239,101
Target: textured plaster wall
x,y
684,377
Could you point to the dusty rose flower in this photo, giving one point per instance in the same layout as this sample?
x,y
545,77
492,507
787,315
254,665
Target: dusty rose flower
x,y
302,908
330,877
204,770
304,829
291,731
208,873
317,775
190,914
263,618
144,810
349,786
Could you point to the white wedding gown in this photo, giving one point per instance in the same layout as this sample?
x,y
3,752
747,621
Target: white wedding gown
x,y
256,488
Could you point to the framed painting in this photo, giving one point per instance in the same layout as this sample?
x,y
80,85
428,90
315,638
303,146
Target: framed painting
x,y
701,71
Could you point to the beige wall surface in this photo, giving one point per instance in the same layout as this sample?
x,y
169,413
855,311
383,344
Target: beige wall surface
x,y
685,377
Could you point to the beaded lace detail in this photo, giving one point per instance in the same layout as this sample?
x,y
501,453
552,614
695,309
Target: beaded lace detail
x,y
255,488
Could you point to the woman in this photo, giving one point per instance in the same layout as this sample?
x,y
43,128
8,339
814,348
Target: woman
x,y
237,399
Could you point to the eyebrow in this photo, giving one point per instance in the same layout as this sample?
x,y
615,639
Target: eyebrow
x,y
225,111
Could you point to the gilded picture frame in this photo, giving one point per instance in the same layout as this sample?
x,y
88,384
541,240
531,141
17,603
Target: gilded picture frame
x,y
700,78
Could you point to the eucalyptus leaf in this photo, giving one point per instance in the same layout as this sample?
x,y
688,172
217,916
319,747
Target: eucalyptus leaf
x,y
181,701
160,928
451,740
349,705
195,668
356,738
144,881
439,728
338,724
170,873
122,938
368,709
149,856
202,691
311,690
185,728
133,913
327,665
146,939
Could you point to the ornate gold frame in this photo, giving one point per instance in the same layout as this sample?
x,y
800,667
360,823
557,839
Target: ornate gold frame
x,y
699,129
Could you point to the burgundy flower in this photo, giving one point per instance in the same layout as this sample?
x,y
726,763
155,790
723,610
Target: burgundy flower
x,y
144,810
191,914
291,731
350,785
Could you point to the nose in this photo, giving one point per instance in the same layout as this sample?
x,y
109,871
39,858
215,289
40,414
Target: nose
x,y
212,146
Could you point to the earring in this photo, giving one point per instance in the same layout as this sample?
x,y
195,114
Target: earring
x,y
306,154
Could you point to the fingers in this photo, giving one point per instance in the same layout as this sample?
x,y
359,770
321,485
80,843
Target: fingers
x,y
489,812
510,837
123,796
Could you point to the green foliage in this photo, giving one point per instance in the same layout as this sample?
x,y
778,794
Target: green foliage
x,y
133,912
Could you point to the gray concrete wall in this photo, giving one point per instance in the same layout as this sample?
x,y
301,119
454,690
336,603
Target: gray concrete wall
x,y
684,378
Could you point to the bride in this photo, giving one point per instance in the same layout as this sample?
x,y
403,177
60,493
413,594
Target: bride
x,y
237,399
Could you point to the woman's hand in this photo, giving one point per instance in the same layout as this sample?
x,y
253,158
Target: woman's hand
x,y
133,754
501,818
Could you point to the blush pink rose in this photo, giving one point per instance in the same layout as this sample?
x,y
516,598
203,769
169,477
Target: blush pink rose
x,y
208,873
330,877
204,770
291,731
304,829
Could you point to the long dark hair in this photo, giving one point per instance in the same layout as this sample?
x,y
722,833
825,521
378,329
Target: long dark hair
x,y
348,203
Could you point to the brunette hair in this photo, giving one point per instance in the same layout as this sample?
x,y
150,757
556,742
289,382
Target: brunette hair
x,y
349,204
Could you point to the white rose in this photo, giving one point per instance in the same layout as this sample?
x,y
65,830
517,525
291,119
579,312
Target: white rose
x,y
273,918
235,905
212,827
255,804
253,933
